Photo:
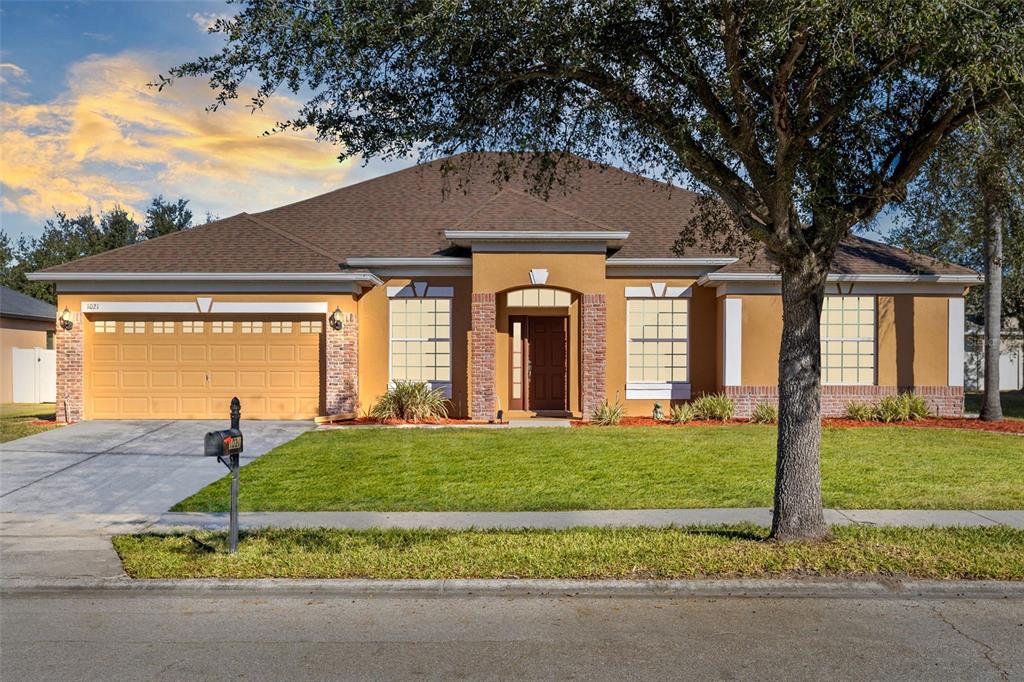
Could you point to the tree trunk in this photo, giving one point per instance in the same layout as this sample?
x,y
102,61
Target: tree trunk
x,y
991,408
798,514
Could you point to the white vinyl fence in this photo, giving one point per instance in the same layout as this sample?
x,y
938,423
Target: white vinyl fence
x,y
34,375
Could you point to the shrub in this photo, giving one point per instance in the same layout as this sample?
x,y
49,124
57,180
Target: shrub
x,y
861,412
681,413
904,407
411,401
607,414
713,406
764,413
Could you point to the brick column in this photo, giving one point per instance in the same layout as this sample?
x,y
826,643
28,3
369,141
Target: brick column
x,y
342,366
482,351
69,345
593,356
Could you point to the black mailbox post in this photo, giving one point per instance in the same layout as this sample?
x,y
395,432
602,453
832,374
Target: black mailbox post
x,y
226,446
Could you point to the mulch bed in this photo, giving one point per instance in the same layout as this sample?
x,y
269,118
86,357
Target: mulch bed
x,y
1007,426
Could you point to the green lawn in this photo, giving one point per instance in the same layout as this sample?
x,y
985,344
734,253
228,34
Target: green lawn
x,y
1013,403
16,418
736,551
619,468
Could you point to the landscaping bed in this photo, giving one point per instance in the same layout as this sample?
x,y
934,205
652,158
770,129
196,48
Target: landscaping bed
x,y
448,469
995,553
1005,426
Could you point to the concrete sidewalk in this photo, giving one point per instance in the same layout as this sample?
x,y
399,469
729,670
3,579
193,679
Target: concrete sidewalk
x,y
918,518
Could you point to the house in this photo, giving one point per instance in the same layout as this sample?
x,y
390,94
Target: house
x,y
500,298
26,348
1011,356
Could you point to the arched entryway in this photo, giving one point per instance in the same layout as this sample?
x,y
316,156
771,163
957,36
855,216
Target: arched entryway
x,y
542,325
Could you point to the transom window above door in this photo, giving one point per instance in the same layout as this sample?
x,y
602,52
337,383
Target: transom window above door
x,y
538,298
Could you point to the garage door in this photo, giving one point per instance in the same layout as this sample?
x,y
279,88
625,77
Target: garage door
x,y
190,369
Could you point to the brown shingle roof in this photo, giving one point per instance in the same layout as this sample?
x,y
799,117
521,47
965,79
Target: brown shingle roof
x,y
405,214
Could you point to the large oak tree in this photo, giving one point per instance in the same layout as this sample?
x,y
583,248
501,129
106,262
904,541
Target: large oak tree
x,y
805,117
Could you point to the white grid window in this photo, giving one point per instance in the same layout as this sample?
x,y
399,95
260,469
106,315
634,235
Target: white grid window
x,y
134,327
192,327
848,340
252,327
222,327
310,326
278,327
421,347
657,338
104,326
163,327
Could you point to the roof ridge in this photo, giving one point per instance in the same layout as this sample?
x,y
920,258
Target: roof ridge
x,y
291,237
481,207
563,211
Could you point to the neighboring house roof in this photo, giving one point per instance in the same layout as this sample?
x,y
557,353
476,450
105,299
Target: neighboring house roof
x,y
16,304
406,214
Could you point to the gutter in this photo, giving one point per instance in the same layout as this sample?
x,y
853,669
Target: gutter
x,y
716,278
367,277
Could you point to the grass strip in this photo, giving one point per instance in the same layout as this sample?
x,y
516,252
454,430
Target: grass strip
x,y
694,552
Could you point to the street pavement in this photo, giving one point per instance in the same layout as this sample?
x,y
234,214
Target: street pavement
x,y
309,635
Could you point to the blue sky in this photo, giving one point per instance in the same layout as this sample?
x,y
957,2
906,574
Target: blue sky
x,y
79,128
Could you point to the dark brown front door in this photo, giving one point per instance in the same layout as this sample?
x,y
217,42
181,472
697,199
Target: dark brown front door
x,y
548,360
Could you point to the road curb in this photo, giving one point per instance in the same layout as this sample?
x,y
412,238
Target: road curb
x,y
752,588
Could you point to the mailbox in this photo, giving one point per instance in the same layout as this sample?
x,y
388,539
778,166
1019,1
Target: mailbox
x,y
223,443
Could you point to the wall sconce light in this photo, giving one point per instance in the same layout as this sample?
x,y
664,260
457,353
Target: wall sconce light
x,y
65,320
336,320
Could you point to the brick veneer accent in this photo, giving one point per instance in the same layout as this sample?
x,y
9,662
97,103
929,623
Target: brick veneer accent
x,y
482,352
944,401
69,345
593,355
341,385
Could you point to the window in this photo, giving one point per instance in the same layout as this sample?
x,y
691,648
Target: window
x,y
310,326
421,339
278,327
537,298
848,340
657,339
49,340
221,327
252,327
163,327
104,326
192,327
134,327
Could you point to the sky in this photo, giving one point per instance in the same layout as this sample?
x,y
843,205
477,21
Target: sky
x,y
81,129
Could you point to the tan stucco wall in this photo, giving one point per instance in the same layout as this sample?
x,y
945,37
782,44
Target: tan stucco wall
x,y
912,340
374,339
16,333
580,272
761,335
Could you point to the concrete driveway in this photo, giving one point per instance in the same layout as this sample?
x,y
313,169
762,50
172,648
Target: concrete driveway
x,y
121,467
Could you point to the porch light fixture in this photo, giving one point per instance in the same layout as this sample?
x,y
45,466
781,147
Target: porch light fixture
x,y
335,320
65,320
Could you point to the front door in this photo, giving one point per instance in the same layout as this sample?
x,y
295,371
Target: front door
x,y
547,351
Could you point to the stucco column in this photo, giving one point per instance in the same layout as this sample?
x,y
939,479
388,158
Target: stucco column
x,y
593,356
342,366
69,345
482,360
